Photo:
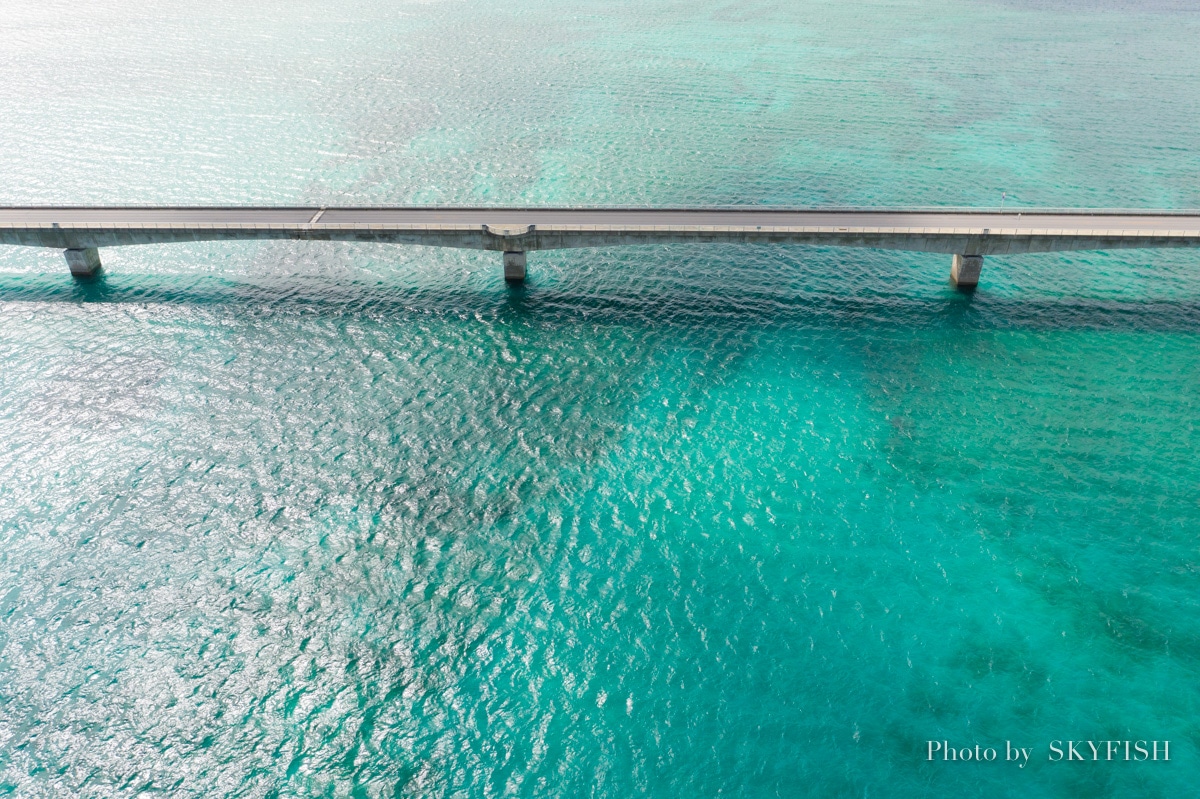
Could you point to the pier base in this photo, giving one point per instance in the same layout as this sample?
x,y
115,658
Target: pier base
x,y
83,262
514,266
964,271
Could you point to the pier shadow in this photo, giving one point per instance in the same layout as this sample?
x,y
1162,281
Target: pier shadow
x,y
518,297
94,288
661,303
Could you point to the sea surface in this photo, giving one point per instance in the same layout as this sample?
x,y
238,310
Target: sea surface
x,y
353,520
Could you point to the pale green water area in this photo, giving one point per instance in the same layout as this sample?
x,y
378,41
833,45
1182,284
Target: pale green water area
x,y
302,519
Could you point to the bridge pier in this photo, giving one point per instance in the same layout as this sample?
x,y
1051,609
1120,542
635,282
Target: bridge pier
x,y
514,266
83,261
964,271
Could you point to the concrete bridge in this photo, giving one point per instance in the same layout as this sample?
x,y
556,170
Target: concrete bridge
x,y
967,235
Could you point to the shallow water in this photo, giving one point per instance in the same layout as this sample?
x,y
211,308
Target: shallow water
x,y
297,519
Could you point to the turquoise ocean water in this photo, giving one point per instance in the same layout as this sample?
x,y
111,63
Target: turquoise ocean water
x,y
290,519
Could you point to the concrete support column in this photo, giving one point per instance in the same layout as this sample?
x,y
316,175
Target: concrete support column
x,y
83,262
964,271
514,266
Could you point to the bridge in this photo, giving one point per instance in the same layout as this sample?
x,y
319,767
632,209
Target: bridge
x,y
967,235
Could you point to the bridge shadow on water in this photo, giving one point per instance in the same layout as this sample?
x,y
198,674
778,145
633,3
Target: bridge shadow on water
x,y
659,302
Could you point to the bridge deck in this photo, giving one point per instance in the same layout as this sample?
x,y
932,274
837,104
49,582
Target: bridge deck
x,y
234,217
